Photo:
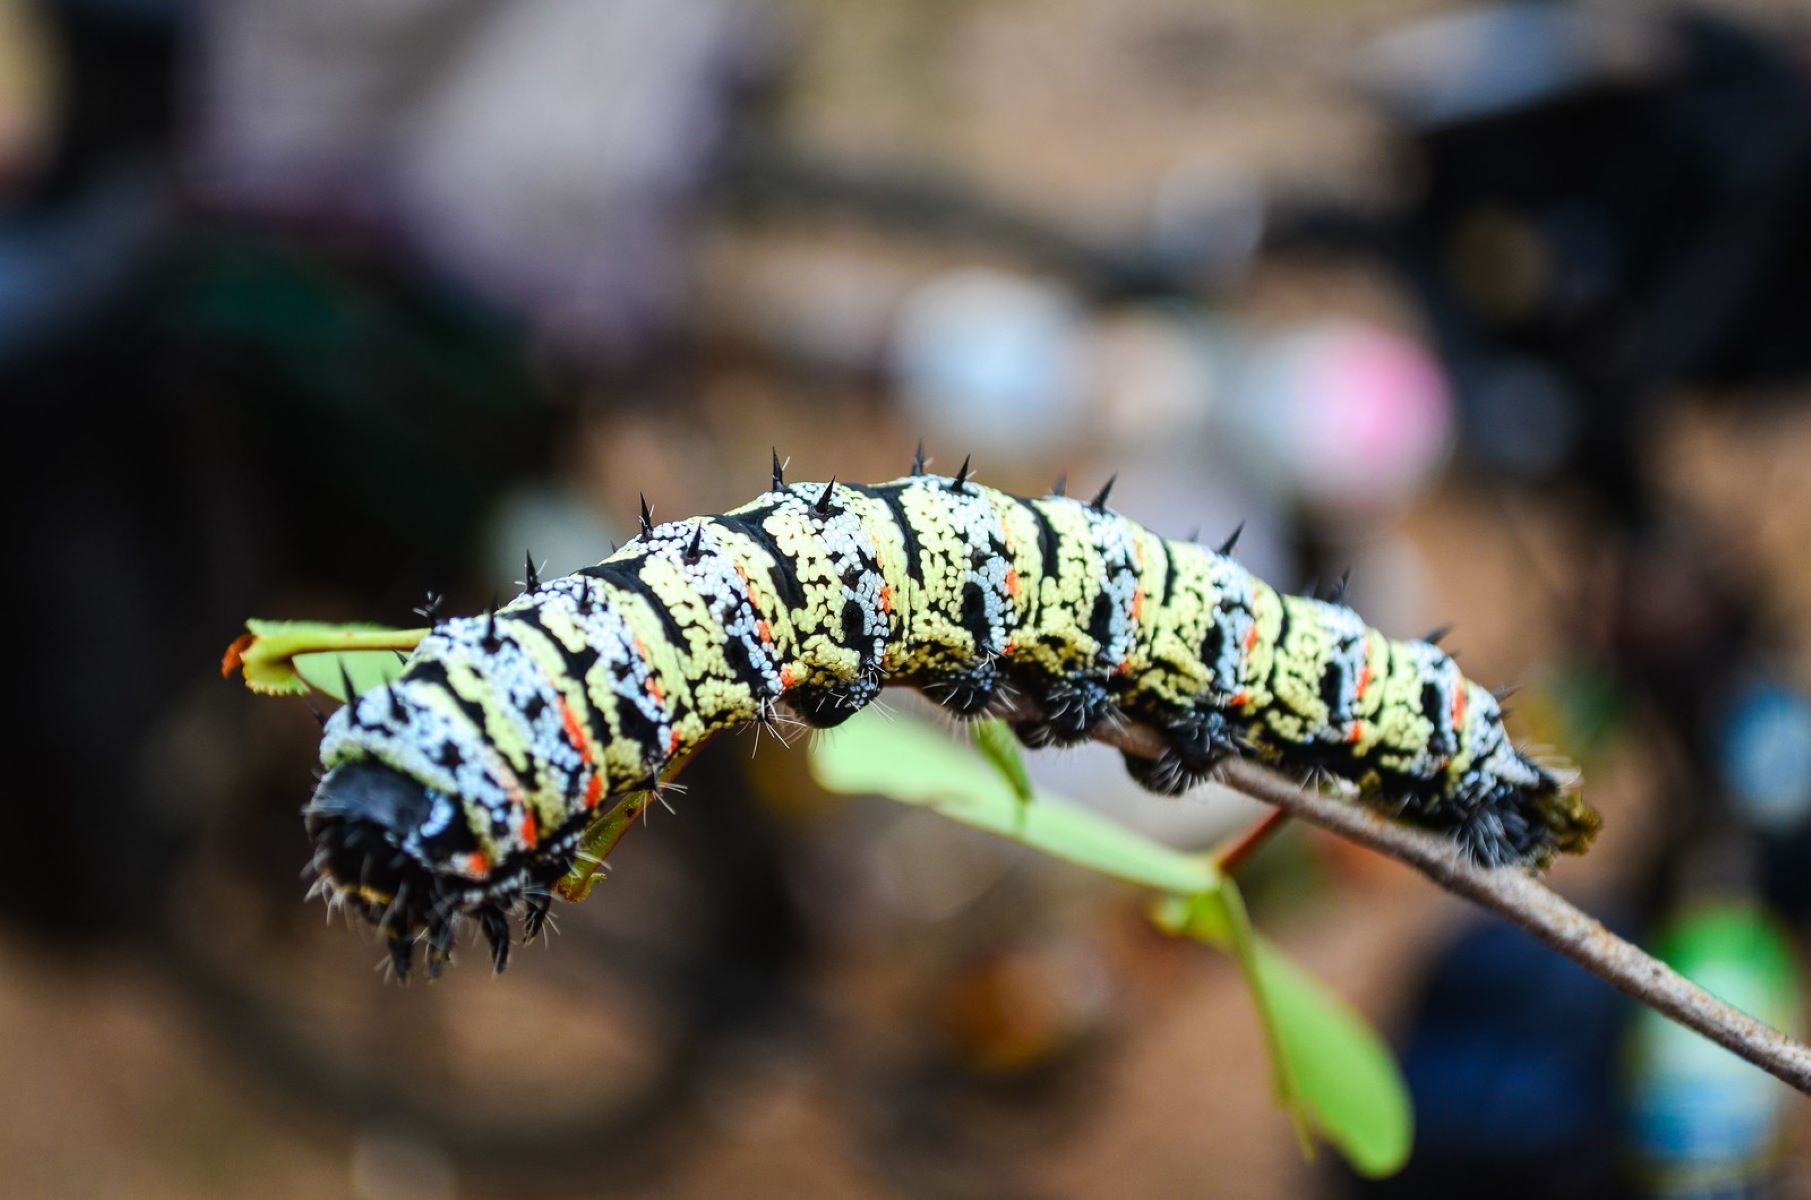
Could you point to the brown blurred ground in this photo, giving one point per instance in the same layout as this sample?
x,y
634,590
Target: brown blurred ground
x,y
106,1089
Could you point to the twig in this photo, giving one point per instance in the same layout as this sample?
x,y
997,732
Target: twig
x,y
1510,892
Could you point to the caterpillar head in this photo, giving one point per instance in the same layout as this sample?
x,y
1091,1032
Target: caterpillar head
x,y
400,853
396,824
1509,808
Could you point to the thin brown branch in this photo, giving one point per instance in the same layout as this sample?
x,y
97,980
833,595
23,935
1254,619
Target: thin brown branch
x,y
1512,893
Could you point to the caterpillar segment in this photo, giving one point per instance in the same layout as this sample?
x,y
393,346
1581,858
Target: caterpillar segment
x,y
461,790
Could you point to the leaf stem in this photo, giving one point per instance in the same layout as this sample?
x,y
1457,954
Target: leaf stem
x,y
1246,844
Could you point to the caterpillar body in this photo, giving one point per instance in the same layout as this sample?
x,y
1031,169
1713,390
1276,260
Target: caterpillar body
x,y
462,788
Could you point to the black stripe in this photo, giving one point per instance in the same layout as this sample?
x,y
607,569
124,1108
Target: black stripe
x,y
629,580
434,674
1276,654
889,496
742,664
636,725
677,703
1048,541
1434,708
973,617
577,665
1333,691
1213,643
1100,621
785,578
1169,572
1282,637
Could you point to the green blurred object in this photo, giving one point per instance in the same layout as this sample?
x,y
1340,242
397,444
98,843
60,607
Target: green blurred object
x,y
1333,1074
1705,1123
365,384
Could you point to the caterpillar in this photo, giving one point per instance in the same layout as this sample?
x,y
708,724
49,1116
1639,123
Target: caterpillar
x,y
461,789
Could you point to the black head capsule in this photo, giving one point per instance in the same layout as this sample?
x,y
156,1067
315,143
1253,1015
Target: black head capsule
x,y
377,838
359,820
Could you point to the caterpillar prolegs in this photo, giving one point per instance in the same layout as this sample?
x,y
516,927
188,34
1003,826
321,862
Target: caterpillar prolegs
x,y
462,788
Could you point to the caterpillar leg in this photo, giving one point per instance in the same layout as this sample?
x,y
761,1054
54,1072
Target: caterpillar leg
x,y
1492,825
1195,744
1073,707
825,706
968,692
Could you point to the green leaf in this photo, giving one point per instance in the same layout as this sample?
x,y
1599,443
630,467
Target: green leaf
x,y
366,669
286,657
1332,1069
1333,1073
997,744
1342,1071
909,762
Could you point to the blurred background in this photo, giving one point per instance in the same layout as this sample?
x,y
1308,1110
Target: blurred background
x,y
311,310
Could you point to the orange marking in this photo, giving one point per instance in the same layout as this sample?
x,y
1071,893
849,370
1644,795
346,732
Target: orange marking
x,y
660,697
476,864
1138,602
764,631
1364,681
886,597
1238,701
786,676
1459,704
235,654
1012,582
1355,734
530,832
1009,647
575,732
1251,637
673,740
594,791
641,648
